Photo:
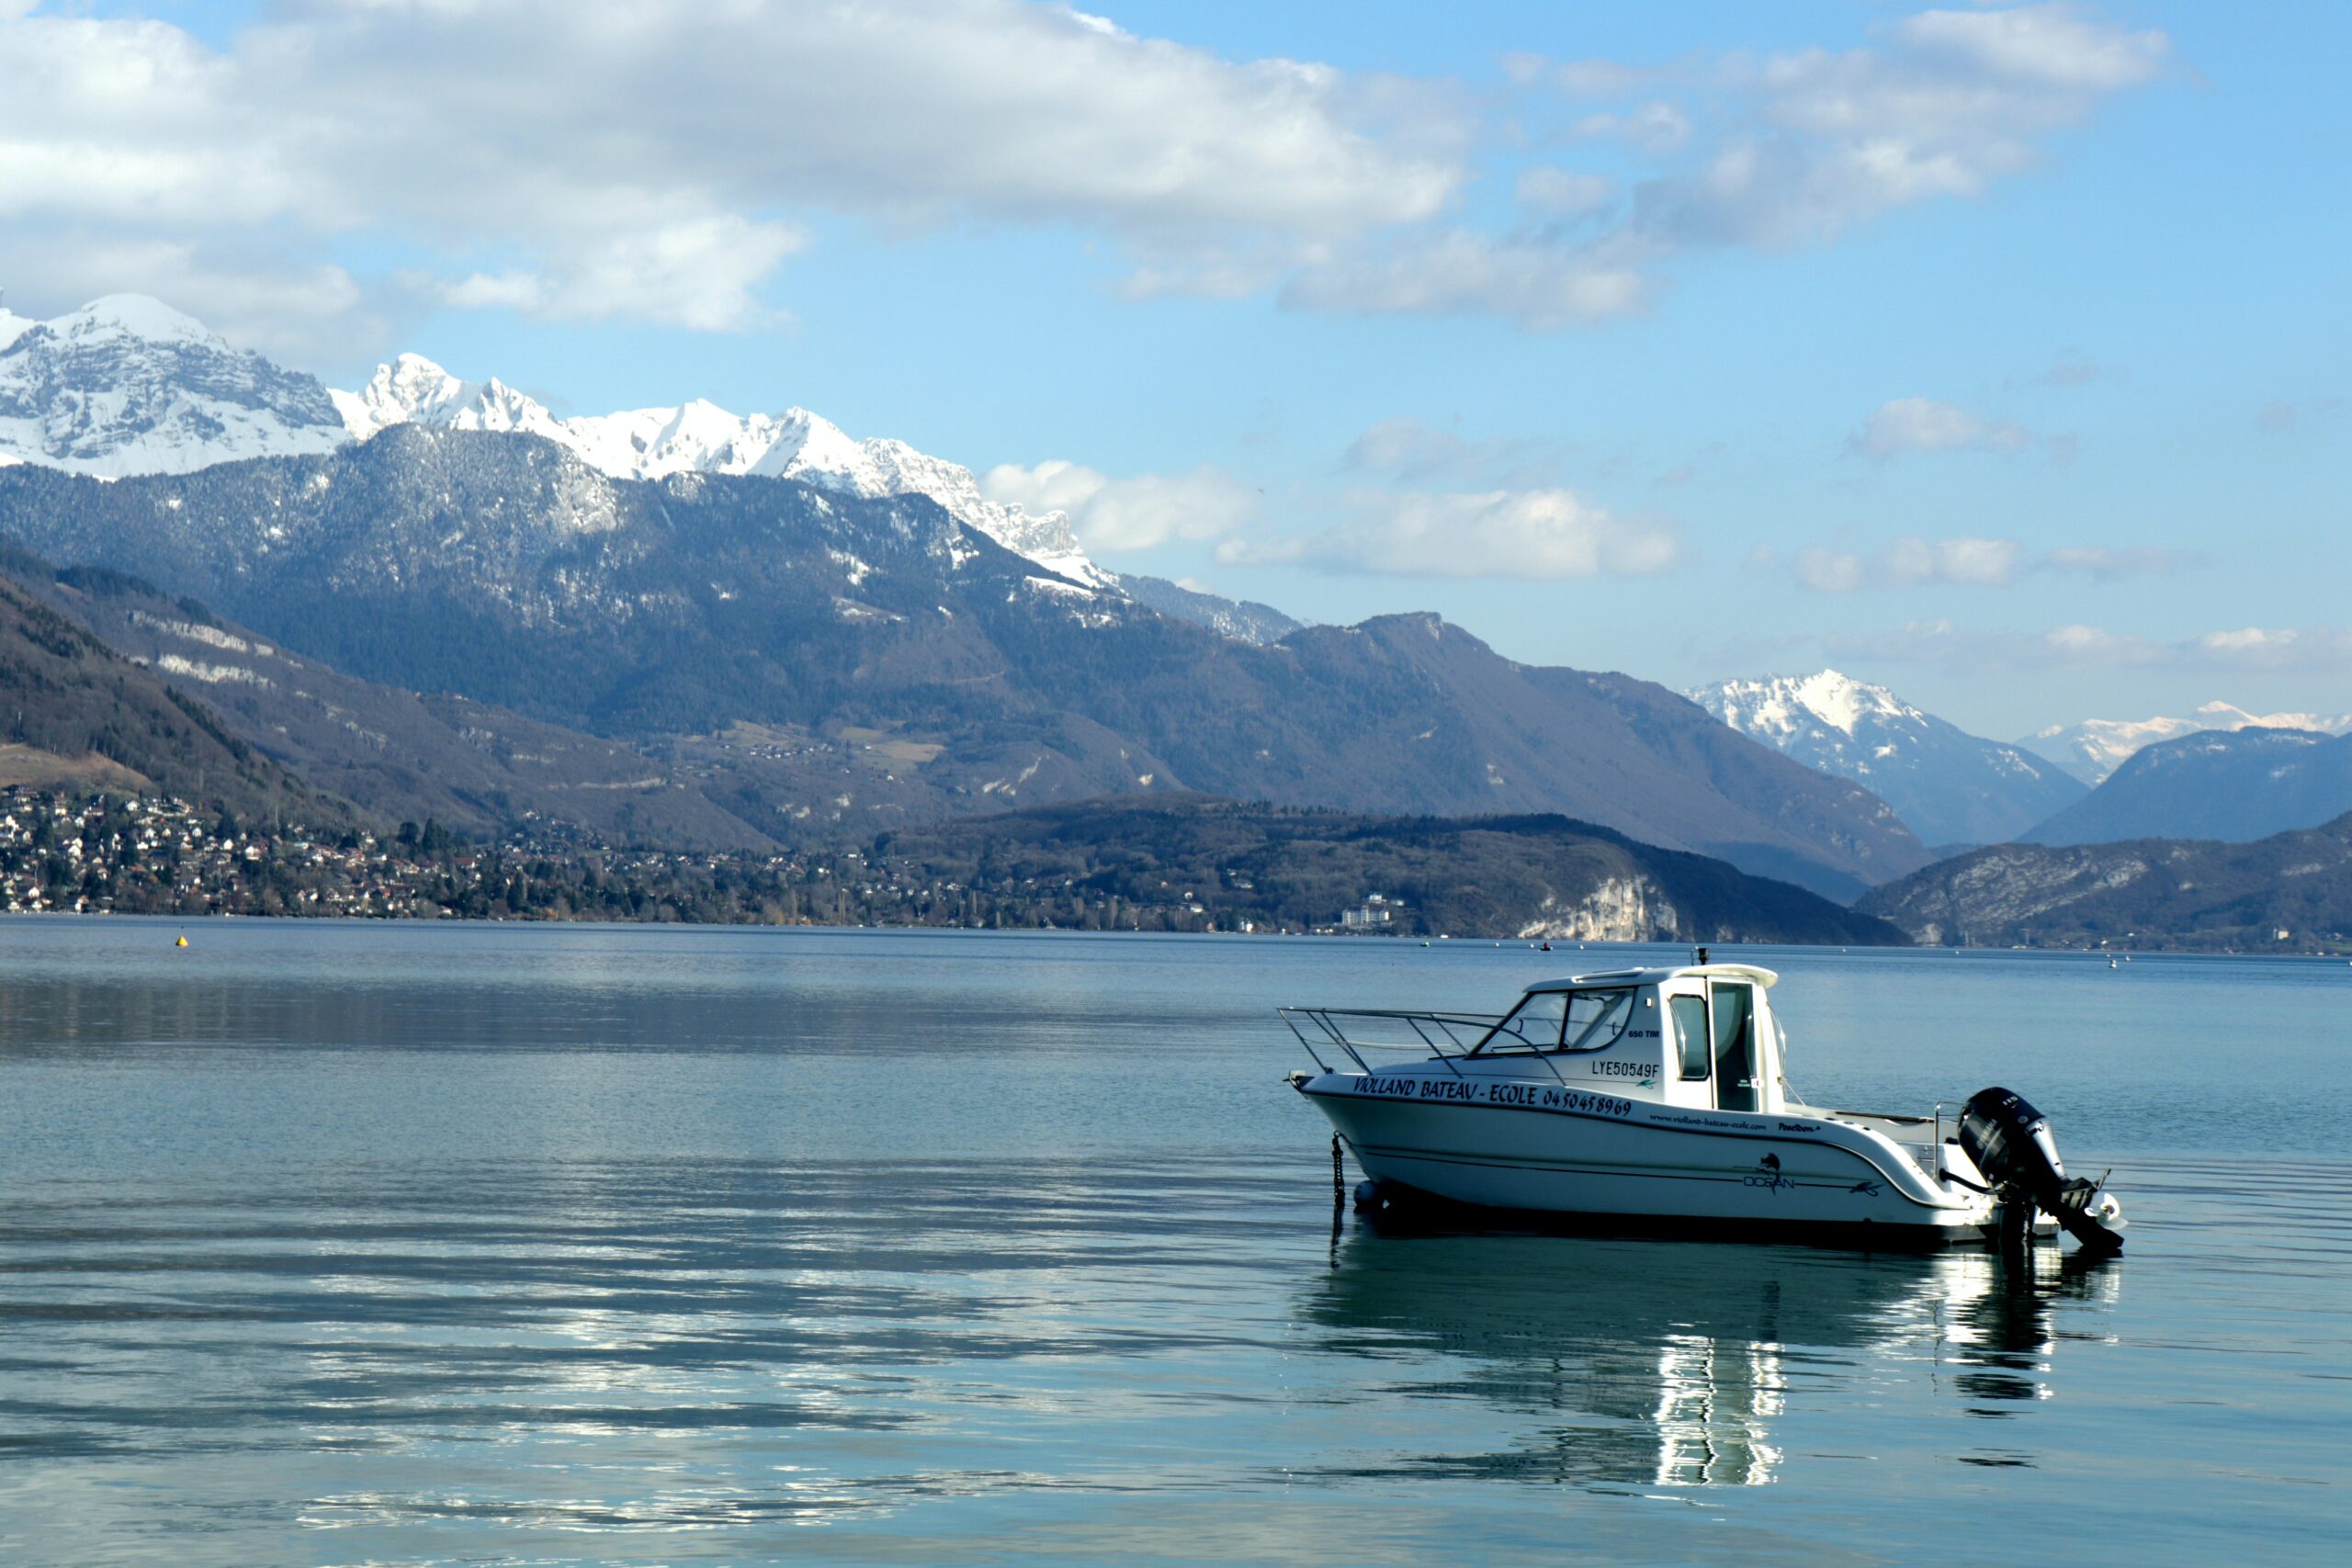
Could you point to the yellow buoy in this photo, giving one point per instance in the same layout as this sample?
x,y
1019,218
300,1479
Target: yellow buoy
x,y
181,943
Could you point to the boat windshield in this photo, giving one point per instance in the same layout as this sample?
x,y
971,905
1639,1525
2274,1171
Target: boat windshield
x,y
1562,1020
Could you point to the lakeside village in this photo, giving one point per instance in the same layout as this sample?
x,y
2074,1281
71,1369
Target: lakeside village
x,y
149,856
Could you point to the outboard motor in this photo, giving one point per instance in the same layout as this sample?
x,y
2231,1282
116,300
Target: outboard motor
x,y
2010,1142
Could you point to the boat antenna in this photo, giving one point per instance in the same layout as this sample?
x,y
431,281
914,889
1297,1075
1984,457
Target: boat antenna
x,y
1702,956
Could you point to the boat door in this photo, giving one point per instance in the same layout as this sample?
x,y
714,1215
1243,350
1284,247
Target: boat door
x,y
1732,1004
1714,1045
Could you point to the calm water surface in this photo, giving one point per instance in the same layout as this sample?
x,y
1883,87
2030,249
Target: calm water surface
x,y
366,1244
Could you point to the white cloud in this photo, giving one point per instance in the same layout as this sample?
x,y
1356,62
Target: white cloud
x,y
1137,513
1909,562
2322,650
1923,424
1968,561
1825,139
1417,452
1656,127
2113,565
1586,78
2056,44
1777,151
1538,533
592,159
701,273
1541,285
254,294
1563,192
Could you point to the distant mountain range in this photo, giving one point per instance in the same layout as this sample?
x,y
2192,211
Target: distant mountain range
x,y
2234,785
128,386
905,664
1949,787
2097,747
433,597
2289,891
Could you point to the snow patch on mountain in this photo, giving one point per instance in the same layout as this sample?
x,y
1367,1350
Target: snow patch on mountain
x,y
13,326
702,437
1782,708
2094,749
127,385
1949,787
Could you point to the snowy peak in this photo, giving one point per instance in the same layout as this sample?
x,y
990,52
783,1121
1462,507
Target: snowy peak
x,y
807,445
1949,787
2094,749
1785,705
700,437
136,316
2235,785
127,385
412,390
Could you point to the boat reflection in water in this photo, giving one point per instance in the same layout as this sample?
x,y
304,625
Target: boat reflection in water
x,y
1659,1363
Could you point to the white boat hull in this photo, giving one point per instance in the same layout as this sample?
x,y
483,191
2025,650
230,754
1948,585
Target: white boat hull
x,y
1520,1144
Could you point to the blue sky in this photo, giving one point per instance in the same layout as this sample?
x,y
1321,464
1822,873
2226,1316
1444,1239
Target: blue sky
x,y
1995,353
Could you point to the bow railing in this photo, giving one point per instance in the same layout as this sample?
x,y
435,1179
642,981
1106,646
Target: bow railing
x,y
1350,1031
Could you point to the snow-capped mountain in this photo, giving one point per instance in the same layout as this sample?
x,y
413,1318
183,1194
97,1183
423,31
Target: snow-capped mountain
x,y
127,385
2094,749
702,437
1949,787
2238,785
895,663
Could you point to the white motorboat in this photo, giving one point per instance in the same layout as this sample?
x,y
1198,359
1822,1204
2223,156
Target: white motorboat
x,y
1660,1095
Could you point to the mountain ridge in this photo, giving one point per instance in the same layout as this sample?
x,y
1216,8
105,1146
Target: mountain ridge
x,y
81,715
2234,785
1542,876
127,385
2093,749
2288,892
502,568
1949,787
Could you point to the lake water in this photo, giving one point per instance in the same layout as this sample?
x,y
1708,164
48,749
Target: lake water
x,y
344,1243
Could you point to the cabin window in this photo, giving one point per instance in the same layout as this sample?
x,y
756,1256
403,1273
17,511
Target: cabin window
x,y
1533,1026
1558,1020
1691,1052
1596,1018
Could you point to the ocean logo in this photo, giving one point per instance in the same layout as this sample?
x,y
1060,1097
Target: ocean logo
x,y
1768,1175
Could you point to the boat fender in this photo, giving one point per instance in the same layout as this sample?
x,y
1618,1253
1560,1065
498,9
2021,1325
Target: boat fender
x,y
1367,1194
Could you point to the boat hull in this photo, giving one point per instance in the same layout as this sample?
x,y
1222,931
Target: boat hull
x,y
1604,1157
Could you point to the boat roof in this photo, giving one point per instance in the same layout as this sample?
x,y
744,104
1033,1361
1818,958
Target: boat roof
x,y
1652,977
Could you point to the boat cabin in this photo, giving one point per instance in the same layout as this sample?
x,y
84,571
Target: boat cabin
x,y
1699,1036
